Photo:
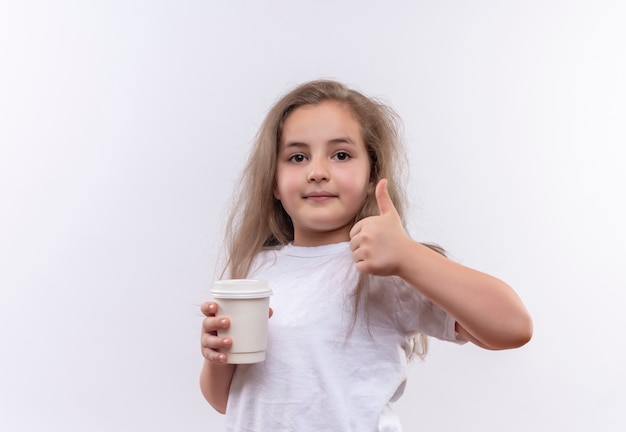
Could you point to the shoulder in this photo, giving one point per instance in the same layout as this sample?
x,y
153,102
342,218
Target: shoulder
x,y
264,259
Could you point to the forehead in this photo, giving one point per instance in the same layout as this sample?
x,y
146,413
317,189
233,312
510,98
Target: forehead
x,y
323,121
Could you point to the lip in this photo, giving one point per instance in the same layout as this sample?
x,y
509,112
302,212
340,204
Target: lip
x,y
319,196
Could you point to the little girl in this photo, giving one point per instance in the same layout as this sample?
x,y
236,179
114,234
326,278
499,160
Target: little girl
x,y
320,217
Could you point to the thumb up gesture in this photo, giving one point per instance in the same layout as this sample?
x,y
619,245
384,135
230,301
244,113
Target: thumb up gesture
x,y
378,242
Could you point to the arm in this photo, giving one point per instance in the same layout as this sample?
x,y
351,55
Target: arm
x,y
487,310
215,384
216,374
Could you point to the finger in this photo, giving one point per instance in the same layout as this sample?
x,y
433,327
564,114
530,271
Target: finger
x,y
214,356
271,312
214,342
209,308
356,229
355,243
385,205
213,324
357,255
361,267
210,347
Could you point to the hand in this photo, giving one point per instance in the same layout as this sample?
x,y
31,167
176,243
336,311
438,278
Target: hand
x,y
210,343
378,242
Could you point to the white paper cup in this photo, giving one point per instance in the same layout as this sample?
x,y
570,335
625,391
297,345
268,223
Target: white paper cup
x,y
246,303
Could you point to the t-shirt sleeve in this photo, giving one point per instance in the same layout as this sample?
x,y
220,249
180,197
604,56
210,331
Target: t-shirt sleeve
x,y
414,313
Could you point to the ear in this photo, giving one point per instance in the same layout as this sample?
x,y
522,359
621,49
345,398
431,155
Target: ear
x,y
371,186
276,194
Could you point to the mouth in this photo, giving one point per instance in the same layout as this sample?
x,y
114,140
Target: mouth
x,y
319,196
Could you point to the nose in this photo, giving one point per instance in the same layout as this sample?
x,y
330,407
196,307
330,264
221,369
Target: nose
x,y
318,171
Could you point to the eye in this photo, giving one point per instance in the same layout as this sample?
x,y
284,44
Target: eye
x,y
342,156
297,158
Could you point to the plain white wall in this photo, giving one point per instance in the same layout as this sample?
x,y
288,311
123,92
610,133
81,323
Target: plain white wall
x,y
123,126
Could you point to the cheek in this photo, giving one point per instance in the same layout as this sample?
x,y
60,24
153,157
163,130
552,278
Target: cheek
x,y
358,190
283,187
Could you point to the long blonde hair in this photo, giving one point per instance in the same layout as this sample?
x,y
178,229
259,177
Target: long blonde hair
x,y
258,220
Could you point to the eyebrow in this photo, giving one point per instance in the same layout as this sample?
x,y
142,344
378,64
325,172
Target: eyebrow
x,y
334,141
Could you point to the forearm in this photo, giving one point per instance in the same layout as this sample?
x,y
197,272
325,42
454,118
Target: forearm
x,y
484,306
215,382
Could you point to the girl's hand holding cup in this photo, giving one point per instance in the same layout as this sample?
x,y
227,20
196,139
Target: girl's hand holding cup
x,y
246,301
210,343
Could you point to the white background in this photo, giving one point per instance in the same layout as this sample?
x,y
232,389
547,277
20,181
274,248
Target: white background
x,y
123,127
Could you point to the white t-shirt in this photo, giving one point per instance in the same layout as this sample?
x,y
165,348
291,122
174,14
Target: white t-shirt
x,y
321,372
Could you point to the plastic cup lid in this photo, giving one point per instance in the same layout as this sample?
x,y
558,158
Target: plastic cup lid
x,y
240,289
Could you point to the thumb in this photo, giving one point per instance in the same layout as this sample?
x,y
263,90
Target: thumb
x,y
385,205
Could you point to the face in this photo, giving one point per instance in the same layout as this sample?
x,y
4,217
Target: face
x,y
322,173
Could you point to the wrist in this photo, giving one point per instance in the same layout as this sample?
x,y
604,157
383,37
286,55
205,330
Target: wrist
x,y
408,259
217,367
